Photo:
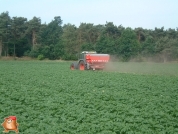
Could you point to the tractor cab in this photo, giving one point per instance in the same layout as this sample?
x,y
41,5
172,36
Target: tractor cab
x,y
83,54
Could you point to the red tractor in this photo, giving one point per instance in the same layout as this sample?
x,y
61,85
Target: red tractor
x,y
90,61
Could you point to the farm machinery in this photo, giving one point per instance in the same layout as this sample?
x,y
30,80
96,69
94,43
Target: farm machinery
x,y
90,60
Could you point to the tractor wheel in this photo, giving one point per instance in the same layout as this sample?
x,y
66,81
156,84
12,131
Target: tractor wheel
x,y
81,65
73,66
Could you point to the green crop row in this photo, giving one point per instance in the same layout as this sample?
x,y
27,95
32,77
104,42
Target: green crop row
x,y
48,98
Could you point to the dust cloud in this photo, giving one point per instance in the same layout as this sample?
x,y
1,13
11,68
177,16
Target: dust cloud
x,y
147,66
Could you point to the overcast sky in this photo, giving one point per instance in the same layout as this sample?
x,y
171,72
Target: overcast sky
x,y
147,14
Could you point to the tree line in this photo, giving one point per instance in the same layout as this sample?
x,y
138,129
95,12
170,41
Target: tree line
x,y
21,37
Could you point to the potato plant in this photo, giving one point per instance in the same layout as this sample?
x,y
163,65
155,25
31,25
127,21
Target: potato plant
x,y
48,97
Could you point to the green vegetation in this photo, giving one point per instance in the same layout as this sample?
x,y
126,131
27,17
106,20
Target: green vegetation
x,y
21,37
47,97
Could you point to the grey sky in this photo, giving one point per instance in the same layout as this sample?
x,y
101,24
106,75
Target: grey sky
x,y
147,14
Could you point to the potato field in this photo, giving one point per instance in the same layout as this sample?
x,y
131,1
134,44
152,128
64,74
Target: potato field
x,y
126,98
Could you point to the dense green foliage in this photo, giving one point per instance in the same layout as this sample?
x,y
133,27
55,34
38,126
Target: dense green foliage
x,y
49,98
19,37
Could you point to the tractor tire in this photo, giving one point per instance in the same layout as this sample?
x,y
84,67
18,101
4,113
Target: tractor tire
x,y
73,66
81,66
